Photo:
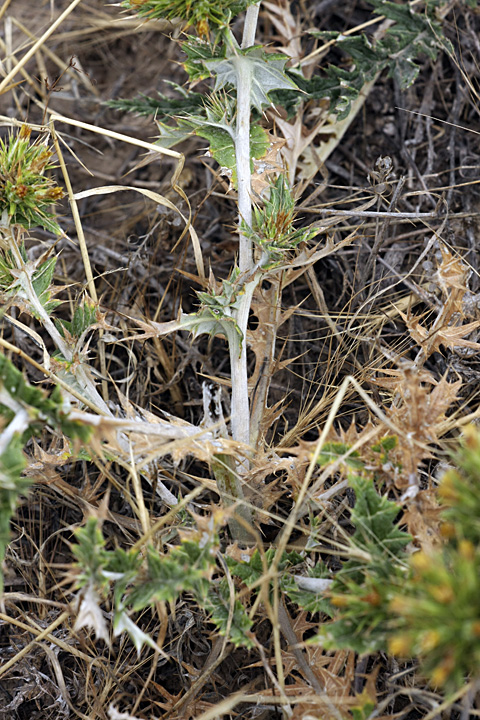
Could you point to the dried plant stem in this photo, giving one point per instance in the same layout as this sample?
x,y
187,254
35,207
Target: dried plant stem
x,y
30,53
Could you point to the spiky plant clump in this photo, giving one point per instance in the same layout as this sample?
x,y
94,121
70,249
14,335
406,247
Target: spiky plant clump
x,y
26,193
200,13
440,610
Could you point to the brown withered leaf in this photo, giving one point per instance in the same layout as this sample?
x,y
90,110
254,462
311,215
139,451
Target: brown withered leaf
x,y
267,168
288,28
418,416
452,336
154,438
395,377
422,519
154,329
298,137
452,273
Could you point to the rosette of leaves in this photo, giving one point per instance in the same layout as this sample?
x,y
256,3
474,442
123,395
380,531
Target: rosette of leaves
x,y
26,193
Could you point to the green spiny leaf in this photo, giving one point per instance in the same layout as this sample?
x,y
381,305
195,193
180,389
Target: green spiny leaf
x,y
374,519
218,604
84,317
267,73
162,106
12,484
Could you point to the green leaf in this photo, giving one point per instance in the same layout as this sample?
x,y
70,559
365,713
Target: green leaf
x,y
364,587
413,34
212,322
252,571
198,53
222,146
218,605
123,565
162,106
334,451
84,317
186,568
92,558
42,284
171,135
267,72
374,519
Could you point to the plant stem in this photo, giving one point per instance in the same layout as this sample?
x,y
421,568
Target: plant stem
x,y
250,27
85,383
242,139
240,421
242,157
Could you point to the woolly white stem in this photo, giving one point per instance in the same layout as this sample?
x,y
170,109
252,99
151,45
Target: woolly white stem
x,y
250,27
240,421
242,157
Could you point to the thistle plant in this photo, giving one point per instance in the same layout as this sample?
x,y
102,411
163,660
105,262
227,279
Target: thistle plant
x,y
247,80
27,197
244,75
381,597
27,194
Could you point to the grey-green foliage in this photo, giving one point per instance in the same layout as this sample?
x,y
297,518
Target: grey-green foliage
x,y
187,103
25,410
84,316
161,577
11,279
412,36
363,588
